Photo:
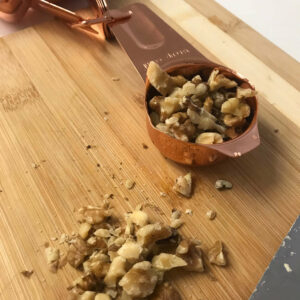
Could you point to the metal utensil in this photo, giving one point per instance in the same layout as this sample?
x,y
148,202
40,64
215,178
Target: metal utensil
x,y
281,278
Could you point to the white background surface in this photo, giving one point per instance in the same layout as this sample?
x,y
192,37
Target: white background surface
x,y
277,20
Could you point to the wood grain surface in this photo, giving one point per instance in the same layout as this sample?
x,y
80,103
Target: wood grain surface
x,y
55,89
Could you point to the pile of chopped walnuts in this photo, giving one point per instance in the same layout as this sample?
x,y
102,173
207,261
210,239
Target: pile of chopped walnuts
x,y
127,259
196,111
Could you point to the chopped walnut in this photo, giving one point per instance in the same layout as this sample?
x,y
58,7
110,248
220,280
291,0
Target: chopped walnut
x,y
93,214
217,81
178,80
88,295
183,185
116,270
84,230
236,107
131,250
209,138
208,104
231,132
151,233
111,292
77,252
165,262
140,280
216,255
196,79
52,257
185,109
218,98
189,212
102,296
86,282
116,262
204,120
161,80
98,263
139,217
176,214
129,184
223,184
183,247
102,232
211,214
165,107
244,93
233,121
27,273
176,223
191,253
125,296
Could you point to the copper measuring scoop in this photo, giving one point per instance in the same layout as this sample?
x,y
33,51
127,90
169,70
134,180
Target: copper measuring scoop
x,y
145,37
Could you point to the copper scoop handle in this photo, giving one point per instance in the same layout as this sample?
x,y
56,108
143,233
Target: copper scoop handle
x,y
246,142
146,37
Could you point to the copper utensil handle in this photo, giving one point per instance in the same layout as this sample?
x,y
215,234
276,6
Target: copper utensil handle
x,y
146,37
246,142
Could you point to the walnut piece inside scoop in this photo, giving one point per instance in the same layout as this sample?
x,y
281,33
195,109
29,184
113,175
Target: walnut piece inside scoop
x,y
216,255
185,109
183,185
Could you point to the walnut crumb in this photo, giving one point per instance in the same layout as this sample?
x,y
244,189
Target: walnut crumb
x,y
183,185
211,214
109,196
129,184
34,165
105,118
189,212
27,273
216,255
52,257
223,184
163,194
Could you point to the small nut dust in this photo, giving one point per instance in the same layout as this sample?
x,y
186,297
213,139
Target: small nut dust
x,y
211,214
223,184
27,273
129,184
127,258
115,79
145,146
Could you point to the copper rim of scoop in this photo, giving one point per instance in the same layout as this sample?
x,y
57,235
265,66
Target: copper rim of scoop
x,y
204,154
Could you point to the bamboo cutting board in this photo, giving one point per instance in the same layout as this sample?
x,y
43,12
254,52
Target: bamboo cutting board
x,y
56,89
